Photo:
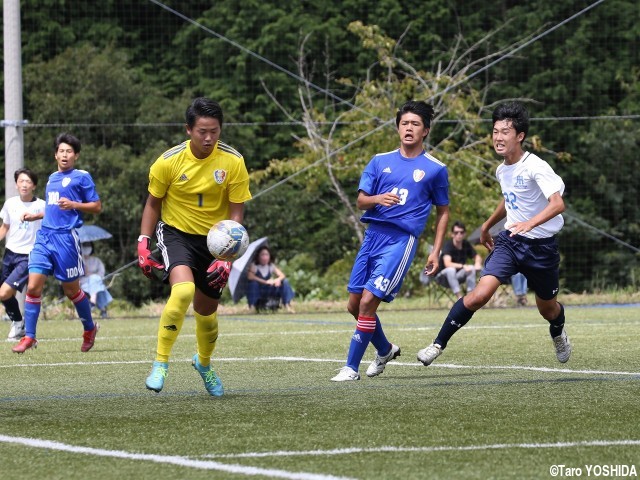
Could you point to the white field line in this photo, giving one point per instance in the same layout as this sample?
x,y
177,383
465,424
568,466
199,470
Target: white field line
x,y
341,361
321,331
498,446
347,330
170,459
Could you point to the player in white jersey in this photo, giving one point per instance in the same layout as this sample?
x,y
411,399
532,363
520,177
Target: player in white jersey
x,y
21,218
532,203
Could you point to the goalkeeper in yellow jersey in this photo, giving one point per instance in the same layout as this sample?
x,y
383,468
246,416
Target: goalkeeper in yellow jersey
x,y
191,186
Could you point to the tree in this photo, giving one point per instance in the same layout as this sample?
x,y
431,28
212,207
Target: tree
x,y
128,70
340,139
594,260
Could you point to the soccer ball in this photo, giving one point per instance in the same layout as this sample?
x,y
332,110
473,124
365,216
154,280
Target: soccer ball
x,y
227,240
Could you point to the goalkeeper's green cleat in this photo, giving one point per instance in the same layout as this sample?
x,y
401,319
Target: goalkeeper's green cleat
x,y
211,381
155,380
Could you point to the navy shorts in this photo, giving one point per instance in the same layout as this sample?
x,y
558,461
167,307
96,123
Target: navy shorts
x,y
538,259
15,269
180,248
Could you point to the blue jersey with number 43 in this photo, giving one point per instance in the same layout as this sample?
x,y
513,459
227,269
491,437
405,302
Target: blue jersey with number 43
x,y
77,186
420,182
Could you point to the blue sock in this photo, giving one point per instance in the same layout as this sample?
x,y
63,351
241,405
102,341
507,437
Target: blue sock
x,y
458,317
31,314
83,307
360,341
379,340
556,326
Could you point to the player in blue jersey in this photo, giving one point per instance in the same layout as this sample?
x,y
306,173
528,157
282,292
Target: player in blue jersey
x,y
397,190
532,202
69,194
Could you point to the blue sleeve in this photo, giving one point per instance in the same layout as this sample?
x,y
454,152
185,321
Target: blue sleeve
x,y
368,179
441,188
88,191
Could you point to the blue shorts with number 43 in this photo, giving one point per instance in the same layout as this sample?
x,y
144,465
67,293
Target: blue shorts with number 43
x,y
382,262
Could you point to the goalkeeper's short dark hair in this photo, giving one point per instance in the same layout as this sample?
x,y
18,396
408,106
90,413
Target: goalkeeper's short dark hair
x,y
203,107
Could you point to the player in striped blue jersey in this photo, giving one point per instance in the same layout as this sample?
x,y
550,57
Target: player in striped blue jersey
x,y
69,194
397,191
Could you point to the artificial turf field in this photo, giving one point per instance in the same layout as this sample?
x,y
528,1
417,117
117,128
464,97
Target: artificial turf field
x,y
496,404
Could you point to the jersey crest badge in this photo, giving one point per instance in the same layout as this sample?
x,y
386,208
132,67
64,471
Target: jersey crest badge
x,y
219,176
66,181
519,182
418,175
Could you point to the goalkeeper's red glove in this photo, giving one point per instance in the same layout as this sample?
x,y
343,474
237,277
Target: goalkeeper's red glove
x,y
218,274
145,260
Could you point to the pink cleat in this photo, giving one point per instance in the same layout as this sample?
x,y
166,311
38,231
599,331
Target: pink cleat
x,y
25,344
89,338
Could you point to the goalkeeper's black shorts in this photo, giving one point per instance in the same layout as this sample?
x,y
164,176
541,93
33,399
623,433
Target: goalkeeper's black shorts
x,y
180,248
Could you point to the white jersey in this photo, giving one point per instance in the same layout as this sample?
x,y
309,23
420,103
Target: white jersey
x,y
526,187
21,235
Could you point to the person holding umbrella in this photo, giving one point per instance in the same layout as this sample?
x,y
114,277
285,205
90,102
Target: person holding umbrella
x,y
92,281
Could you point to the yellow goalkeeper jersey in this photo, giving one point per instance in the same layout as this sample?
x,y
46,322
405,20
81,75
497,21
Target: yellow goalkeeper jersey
x,y
196,192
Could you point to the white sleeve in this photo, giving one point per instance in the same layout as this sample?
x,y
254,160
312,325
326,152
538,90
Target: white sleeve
x,y
548,180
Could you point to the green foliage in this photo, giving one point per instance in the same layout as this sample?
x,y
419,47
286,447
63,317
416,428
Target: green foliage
x,y
332,166
302,273
297,221
336,278
120,74
612,207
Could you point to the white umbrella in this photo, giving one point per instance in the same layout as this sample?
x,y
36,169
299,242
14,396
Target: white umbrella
x,y
240,267
91,233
